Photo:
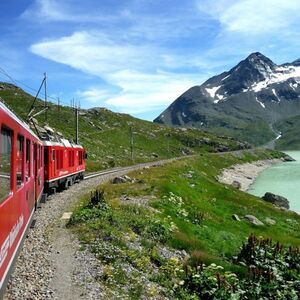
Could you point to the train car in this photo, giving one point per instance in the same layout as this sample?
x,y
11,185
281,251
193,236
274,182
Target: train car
x,y
21,186
64,164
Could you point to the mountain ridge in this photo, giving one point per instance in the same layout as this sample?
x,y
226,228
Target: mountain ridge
x,y
255,90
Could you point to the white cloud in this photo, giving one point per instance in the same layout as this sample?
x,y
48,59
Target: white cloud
x,y
47,10
97,54
62,11
144,92
134,70
253,16
139,92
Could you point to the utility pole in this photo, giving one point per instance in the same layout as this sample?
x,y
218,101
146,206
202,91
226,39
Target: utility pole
x,y
45,85
131,143
76,125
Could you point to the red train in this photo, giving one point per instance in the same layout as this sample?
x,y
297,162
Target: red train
x,y
28,166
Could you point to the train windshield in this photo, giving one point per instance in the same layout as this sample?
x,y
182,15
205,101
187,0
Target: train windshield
x,y
5,163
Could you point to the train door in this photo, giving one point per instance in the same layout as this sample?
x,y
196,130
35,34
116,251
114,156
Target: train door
x,y
54,162
35,170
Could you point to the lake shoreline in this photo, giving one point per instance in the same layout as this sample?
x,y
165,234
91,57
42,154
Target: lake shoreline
x,y
246,174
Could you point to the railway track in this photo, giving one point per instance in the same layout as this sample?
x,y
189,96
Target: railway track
x,y
131,168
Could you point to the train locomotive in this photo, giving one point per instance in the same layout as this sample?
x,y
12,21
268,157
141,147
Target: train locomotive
x,y
29,166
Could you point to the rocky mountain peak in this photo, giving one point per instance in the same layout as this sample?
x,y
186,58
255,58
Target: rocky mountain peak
x,y
255,91
260,63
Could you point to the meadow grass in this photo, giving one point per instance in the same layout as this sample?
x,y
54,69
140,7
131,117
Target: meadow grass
x,y
188,210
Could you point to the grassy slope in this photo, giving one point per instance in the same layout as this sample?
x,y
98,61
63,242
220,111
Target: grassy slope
x,y
290,134
257,132
205,228
106,135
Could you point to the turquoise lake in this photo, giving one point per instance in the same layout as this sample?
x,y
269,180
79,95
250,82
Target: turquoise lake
x,y
282,179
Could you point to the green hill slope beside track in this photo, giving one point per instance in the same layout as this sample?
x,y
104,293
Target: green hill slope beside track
x,y
114,139
170,233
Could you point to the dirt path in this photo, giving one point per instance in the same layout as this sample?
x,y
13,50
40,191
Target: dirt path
x,y
64,262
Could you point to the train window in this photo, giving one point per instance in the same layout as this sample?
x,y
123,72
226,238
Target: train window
x,y
5,163
80,155
20,160
46,157
41,156
28,159
59,159
61,162
71,158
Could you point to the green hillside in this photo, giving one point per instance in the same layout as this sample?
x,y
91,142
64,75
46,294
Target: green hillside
x,y
170,234
290,134
107,135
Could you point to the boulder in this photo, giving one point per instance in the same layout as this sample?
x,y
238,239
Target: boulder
x,y
119,179
270,221
236,184
254,220
287,158
276,200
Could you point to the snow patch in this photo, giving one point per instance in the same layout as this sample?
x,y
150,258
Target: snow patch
x,y
275,94
292,86
183,114
262,104
212,91
278,136
225,77
280,74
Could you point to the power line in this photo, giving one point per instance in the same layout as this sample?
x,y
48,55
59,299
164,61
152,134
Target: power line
x,y
18,82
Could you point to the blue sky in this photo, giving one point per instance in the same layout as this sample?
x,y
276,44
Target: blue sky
x,y
138,56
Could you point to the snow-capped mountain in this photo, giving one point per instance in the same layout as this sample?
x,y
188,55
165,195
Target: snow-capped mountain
x,y
245,102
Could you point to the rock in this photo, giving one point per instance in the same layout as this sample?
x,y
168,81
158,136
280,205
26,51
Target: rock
x,y
127,178
236,184
254,220
123,179
187,151
188,175
270,221
236,217
119,179
221,148
276,200
167,253
287,158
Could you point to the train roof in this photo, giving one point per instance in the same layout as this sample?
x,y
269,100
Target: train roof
x,y
62,143
17,119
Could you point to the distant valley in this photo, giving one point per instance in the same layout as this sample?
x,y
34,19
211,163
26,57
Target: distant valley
x,y
256,101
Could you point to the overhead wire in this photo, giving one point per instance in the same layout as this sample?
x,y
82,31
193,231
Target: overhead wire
x,y
18,82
